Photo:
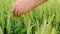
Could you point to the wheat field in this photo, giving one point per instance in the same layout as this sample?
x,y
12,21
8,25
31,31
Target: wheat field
x,y
44,19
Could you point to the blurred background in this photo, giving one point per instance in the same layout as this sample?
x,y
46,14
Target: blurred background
x,y
44,19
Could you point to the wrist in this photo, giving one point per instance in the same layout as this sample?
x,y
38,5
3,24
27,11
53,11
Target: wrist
x,y
39,1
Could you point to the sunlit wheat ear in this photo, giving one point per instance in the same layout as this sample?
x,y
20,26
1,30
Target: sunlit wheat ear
x,y
1,31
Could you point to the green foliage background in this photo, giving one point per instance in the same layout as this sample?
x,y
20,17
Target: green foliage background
x,y
44,19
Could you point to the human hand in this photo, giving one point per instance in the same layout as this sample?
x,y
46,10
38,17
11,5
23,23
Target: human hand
x,y
20,7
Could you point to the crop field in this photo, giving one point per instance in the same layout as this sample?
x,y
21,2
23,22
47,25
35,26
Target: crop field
x,y
44,19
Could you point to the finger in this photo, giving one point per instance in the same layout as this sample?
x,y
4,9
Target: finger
x,y
13,8
16,13
19,14
13,12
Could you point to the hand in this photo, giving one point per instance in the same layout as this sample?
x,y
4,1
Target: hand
x,y
20,7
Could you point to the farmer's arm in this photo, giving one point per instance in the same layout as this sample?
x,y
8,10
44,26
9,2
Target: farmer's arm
x,y
20,7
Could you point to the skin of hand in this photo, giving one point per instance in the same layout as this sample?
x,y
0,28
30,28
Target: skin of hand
x,y
20,7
